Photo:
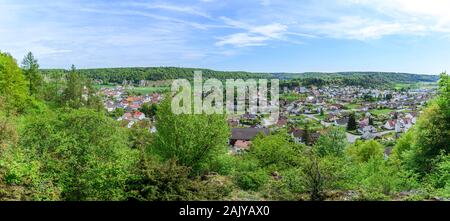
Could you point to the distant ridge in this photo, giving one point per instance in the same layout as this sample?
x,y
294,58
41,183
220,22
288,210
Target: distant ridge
x,y
135,74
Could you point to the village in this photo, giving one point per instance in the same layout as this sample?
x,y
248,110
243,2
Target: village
x,y
305,113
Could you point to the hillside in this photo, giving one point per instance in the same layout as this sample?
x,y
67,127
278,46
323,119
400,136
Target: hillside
x,y
118,75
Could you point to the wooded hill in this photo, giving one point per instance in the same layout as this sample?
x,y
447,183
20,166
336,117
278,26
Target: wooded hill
x,y
118,75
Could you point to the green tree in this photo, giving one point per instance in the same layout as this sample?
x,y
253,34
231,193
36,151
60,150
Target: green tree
x,y
12,84
53,87
306,137
351,125
192,139
83,152
321,174
149,110
333,142
168,181
371,123
73,93
30,68
364,151
431,133
274,152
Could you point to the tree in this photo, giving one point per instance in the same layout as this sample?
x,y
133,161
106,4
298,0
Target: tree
x,y
167,181
274,152
53,87
83,153
118,112
371,123
364,151
351,125
12,84
431,133
74,89
149,110
306,137
320,174
31,70
388,96
192,139
333,142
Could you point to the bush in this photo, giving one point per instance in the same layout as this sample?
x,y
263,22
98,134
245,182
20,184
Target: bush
x,y
252,180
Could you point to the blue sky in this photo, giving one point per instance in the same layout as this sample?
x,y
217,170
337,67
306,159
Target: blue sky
x,y
251,35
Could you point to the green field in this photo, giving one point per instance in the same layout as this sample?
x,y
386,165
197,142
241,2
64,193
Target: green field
x,y
381,111
352,106
149,90
99,86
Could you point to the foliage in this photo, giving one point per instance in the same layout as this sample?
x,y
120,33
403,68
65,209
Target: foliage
x,y
12,84
149,110
351,125
320,174
253,180
274,152
191,139
83,152
363,151
333,142
30,68
168,181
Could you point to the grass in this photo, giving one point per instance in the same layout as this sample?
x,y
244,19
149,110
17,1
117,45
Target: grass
x,y
99,86
381,111
149,90
320,117
352,106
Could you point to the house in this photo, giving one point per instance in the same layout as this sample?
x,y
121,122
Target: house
x,y
341,121
363,123
390,124
138,115
249,116
126,116
369,129
334,107
246,134
233,122
241,145
110,106
298,136
282,122
135,106
241,137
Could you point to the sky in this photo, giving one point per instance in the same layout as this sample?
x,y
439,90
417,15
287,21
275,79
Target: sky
x,y
410,36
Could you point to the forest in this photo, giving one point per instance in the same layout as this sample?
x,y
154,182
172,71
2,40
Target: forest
x,y
57,143
366,79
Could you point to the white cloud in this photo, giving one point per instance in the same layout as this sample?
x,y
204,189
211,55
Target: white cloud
x,y
242,40
433,14
353,27
256,35
274,30
175,8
